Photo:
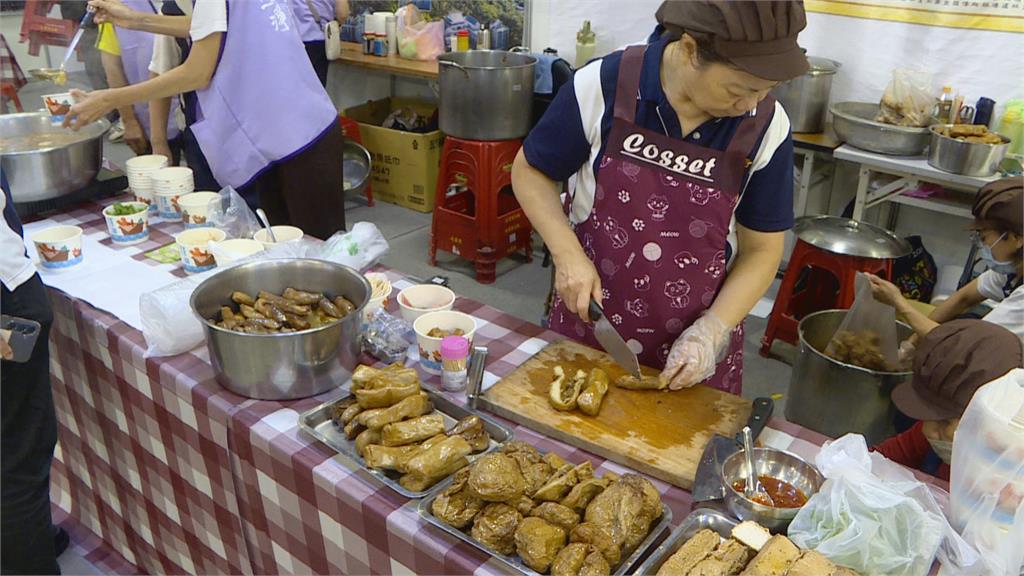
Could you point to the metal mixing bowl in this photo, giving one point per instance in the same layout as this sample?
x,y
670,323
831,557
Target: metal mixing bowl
x,y
773,463
55,171
283,366
967,158
355,168
854,123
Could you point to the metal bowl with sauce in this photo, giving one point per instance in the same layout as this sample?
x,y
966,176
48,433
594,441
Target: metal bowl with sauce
x,y
779,466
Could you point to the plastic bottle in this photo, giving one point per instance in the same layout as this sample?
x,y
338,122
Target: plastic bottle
x,y
463,39
454,361
586,42
945,107
391,27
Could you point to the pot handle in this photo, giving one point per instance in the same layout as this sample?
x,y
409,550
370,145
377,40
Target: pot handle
x,y
459,66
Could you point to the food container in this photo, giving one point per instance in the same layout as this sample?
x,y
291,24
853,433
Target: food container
x,y
194,249
835,398
195,208
50,161
129,228
139,171
355,166
282,366
430,346
168,185
776,464
476,84
229,251
967,158
58,105
805,98
318,424
284,235
59,246
380,291
699,519
415,301
854,123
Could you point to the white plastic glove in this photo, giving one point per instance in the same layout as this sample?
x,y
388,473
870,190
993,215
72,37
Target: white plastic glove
x,y
906,353
696,353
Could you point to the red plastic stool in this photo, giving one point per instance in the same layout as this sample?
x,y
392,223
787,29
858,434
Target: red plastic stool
x,y
350,130
815,279
476,216
38,29
9,92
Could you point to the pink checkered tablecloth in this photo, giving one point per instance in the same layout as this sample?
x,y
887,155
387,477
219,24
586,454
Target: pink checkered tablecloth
x,y
161,470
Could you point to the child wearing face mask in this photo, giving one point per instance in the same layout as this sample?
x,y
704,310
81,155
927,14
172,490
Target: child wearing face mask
x,y
952,362
998,233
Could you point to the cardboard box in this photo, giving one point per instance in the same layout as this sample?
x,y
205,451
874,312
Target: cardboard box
x,y
405,164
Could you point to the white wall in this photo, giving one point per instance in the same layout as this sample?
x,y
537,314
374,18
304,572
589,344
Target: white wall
x,y
615,23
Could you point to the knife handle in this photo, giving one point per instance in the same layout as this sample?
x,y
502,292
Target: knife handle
x,y
760,412
595,312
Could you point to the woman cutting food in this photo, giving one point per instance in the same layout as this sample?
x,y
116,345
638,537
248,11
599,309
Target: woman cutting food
x,y
670,144
263,121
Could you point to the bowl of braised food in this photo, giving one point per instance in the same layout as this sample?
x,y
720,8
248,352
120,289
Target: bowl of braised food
x,y
788,481
433,327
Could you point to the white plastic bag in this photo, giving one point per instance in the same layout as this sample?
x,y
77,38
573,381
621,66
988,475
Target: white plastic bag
x,y
233,216
359,248
872,515
908,99
417,38
987,480
865,319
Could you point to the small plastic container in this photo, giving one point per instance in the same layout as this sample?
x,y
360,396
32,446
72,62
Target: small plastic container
x,y
463,40
454,362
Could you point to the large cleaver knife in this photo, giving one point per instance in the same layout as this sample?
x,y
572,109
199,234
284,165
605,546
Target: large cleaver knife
x,y
707,484
612,343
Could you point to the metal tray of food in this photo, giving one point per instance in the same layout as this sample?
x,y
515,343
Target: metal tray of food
x,y
515,562
318,424
698,520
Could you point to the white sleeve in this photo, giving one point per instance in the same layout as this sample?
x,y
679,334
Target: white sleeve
x,y
990,285
208,17
166,54
1010,313
15,267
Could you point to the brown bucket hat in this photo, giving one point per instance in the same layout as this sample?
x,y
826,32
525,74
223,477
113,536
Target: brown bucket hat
x,y
1000,205
756,37
951,363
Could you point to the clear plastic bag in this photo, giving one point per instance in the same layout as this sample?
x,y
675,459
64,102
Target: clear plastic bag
x,y
872,515
868,329
388,337
233,216
987,481
908,100
417,38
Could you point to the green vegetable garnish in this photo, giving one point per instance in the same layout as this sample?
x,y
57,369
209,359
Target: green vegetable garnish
x,y
122,209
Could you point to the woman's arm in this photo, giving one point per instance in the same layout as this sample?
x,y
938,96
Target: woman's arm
x,y
962,300
118,14
194,74
341,10
159,113
757,260
576,278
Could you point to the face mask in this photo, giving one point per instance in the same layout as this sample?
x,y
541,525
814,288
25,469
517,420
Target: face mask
x,y
943,448
985,253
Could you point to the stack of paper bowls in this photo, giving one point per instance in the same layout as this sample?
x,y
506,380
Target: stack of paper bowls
x,y
168,185
140,169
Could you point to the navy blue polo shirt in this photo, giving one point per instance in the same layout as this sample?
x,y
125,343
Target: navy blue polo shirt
x,y
571,137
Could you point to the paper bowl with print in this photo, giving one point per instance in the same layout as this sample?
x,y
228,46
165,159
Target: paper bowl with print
x,y
127,222
58,105
284,234
195,208
415,301
139,170
167,205
59,247
432,327
380,291
194,249
229,251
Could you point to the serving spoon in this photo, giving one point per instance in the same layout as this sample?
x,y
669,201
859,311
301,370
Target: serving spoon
x,y
753,489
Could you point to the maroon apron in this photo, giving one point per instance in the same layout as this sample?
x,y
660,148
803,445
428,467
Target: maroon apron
x,y
657,232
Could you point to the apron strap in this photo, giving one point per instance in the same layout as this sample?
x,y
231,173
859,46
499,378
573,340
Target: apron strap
x,y
751,128
627,88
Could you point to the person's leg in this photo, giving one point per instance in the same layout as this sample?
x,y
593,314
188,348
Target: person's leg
x,y
28,436
202,175
312,186
317,52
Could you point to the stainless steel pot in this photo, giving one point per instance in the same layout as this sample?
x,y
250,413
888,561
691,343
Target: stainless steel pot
x,y
355,168
805,98
54,171
486,94
967,158
854,123
835,398
283,366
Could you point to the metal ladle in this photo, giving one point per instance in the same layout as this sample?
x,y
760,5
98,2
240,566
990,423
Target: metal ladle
x,y
753,489
266,224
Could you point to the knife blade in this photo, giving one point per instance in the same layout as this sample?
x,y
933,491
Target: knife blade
x,y
612,342
707,482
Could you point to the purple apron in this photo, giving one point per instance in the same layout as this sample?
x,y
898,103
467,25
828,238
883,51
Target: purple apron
x,y
311,28
657,232
136,53
265,102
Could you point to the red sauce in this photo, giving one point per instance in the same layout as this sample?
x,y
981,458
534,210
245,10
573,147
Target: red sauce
x,y
783,494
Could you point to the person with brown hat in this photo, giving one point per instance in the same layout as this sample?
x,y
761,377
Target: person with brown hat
x,y
998,234
676,146
953,361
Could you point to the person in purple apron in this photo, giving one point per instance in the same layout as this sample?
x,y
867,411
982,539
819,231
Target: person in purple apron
x,y
675,146
129,64
312,17
263,121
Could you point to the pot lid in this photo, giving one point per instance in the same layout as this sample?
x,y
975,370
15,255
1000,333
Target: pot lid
x,y
850,237
820,66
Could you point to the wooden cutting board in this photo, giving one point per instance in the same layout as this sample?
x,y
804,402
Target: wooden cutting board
x,y
660,433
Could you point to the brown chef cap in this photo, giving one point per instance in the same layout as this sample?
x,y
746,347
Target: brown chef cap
x,y
951,363
1000,205
756,37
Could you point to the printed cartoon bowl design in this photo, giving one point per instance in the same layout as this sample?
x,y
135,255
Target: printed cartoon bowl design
x,y
430,346
59,246
128,228
58,105
195,208
194,249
